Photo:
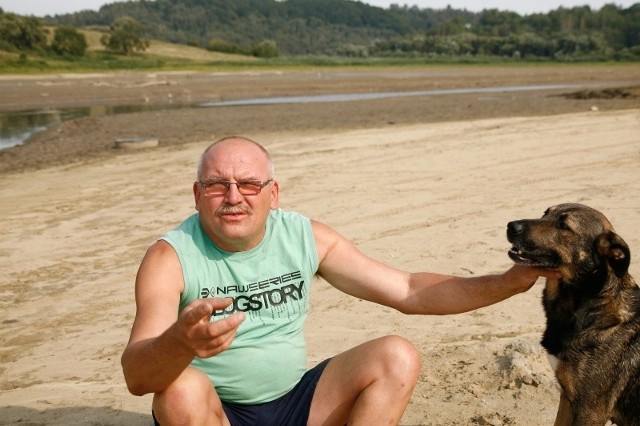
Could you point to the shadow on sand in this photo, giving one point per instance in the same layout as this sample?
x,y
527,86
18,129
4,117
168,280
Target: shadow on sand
x,y
70,416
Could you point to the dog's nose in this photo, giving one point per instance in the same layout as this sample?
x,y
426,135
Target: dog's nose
x,y
516,227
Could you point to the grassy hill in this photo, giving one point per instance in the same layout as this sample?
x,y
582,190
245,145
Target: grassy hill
x,y
159,55
162,49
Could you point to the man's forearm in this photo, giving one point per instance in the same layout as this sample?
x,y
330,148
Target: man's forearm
x,y
434,294
151,365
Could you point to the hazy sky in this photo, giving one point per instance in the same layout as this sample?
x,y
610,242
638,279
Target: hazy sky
x,y
522,7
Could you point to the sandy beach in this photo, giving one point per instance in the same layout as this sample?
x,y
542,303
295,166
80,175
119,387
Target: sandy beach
x,y
430,195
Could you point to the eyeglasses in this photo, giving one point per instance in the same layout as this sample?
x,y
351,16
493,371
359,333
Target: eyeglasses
x,y
245,187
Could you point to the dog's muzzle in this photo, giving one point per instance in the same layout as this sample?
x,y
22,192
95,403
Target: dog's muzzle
x,y
525,252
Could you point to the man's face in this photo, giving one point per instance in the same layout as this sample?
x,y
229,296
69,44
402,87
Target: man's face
x,y
233,221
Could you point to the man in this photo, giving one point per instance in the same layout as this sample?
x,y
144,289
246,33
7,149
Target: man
x,y
221,302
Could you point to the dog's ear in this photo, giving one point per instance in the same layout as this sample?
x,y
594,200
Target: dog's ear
x,y
614,250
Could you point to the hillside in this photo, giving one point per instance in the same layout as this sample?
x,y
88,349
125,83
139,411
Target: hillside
x,y
168,50
158,55
297,26
352,28
315,29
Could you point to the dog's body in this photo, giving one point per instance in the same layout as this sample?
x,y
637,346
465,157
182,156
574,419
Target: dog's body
x,y
593,312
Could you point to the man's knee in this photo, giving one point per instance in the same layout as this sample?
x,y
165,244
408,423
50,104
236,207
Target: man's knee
x,y
190,396
401,358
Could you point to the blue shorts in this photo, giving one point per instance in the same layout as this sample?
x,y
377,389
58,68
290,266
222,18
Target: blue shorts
x,y
291,409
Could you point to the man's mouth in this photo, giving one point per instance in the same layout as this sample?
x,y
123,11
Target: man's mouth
x,y
233,211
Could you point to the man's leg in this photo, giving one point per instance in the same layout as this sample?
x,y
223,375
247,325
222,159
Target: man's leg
x,y
190,400
369,384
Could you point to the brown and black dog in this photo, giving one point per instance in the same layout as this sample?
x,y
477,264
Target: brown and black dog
x,y
593,312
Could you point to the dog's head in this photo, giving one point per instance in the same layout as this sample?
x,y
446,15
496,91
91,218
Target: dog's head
x,y
574,239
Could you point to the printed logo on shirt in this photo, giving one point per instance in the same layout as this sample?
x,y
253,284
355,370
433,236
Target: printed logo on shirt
x,y
271,294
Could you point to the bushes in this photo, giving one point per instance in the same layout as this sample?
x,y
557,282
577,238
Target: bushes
x,y
264,49
69,41
125,35
20,33
562,46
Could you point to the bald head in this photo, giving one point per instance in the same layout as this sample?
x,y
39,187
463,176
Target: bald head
x,y
240,142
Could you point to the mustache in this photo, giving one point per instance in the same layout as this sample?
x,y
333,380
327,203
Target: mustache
x,y
233,210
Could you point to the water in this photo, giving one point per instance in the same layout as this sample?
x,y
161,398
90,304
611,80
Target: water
x,y
17,127
345,97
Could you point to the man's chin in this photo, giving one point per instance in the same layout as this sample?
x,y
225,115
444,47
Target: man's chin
x,y
236,236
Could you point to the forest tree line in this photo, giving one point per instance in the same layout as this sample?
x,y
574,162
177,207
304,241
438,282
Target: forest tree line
x,y
351,28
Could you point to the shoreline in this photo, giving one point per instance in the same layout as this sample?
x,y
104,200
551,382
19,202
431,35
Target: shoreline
x,y
93,137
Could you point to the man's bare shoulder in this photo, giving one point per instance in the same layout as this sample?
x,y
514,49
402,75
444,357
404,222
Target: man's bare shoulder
x,y
325,237
161,266
161,248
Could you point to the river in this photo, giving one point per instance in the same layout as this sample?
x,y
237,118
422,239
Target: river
x,y
16,127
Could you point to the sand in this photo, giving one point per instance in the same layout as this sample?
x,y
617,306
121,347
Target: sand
x,y
421,196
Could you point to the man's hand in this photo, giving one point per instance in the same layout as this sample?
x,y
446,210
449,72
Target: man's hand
x,y
522,278
203,338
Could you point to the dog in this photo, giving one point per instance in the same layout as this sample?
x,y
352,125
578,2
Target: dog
x,y
592,312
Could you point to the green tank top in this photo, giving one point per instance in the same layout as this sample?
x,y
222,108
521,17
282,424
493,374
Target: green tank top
x,y
271,284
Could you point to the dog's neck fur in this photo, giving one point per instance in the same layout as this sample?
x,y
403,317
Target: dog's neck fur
x,y
565,302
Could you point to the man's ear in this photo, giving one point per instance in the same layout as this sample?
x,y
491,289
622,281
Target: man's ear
x,y
275,190
613,250
196,194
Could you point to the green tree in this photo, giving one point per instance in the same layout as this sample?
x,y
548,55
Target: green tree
x,y
266,49
632,27
125,35
22,33
69,41
494,22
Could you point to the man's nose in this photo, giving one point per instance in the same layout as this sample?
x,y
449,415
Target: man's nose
x,y
233,194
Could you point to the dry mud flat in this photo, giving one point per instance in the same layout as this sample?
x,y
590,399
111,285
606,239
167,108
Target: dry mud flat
x,y
93,137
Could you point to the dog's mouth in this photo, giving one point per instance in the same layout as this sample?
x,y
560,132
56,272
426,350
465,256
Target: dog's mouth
x,y
534,258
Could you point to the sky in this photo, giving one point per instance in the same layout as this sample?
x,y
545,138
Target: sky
x,y
522,7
